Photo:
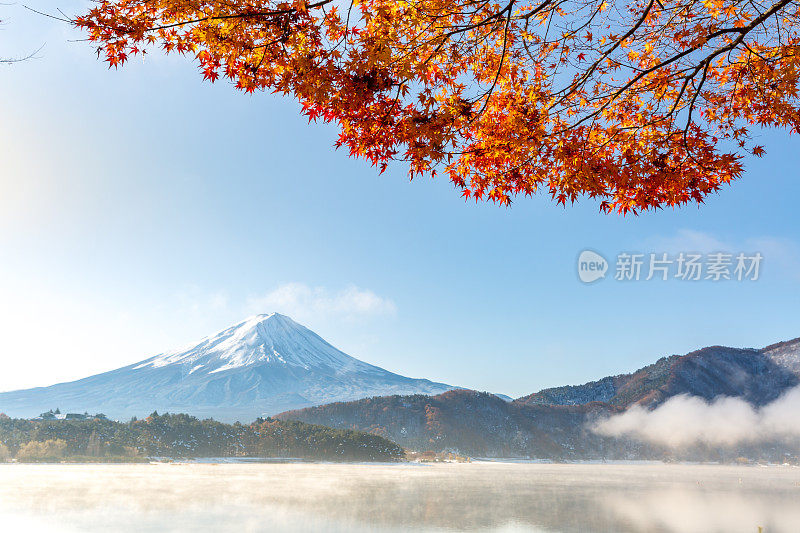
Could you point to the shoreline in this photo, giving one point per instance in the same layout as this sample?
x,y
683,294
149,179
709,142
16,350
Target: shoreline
x,y
477,461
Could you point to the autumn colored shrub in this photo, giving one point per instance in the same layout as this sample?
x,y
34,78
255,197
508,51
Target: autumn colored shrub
x,y
5,455
47,451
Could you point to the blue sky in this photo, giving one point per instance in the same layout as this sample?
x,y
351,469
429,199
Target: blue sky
x,y
143,208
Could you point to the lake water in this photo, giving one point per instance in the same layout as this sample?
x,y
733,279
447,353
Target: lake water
x,y
400,497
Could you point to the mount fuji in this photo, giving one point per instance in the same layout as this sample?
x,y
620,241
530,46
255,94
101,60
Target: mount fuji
x,y
262,366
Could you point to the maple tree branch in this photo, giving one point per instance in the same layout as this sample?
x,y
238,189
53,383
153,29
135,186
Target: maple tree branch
x,y
502,61
571,111
10,60
742,31
607,53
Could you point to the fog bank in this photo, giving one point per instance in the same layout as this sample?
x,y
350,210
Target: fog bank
x,y
684,420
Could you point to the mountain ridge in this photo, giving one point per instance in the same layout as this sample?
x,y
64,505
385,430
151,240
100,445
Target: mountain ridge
x,y
757,375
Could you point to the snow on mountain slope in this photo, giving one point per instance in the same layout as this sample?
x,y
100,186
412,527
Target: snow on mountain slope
x,y
757,376
262,366
264,339
785,354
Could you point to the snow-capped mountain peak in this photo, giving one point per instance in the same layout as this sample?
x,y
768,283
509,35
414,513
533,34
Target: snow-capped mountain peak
x,y
261,366
260,339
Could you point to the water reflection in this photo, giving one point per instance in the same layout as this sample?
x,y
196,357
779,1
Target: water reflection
x,y
478,496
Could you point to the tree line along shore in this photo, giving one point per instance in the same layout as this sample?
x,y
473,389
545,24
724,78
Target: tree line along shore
x,y
98,439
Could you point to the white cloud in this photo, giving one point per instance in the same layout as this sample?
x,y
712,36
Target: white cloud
x,y
305,303
780,255
684,420
688,240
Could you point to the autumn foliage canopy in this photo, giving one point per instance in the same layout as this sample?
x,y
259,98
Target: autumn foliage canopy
x,y
640,104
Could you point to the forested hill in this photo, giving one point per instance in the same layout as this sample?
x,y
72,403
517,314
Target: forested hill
x,y
181,436
478,424
556,423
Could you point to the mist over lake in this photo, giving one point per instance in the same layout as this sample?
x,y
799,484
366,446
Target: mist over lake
x,y
478,496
